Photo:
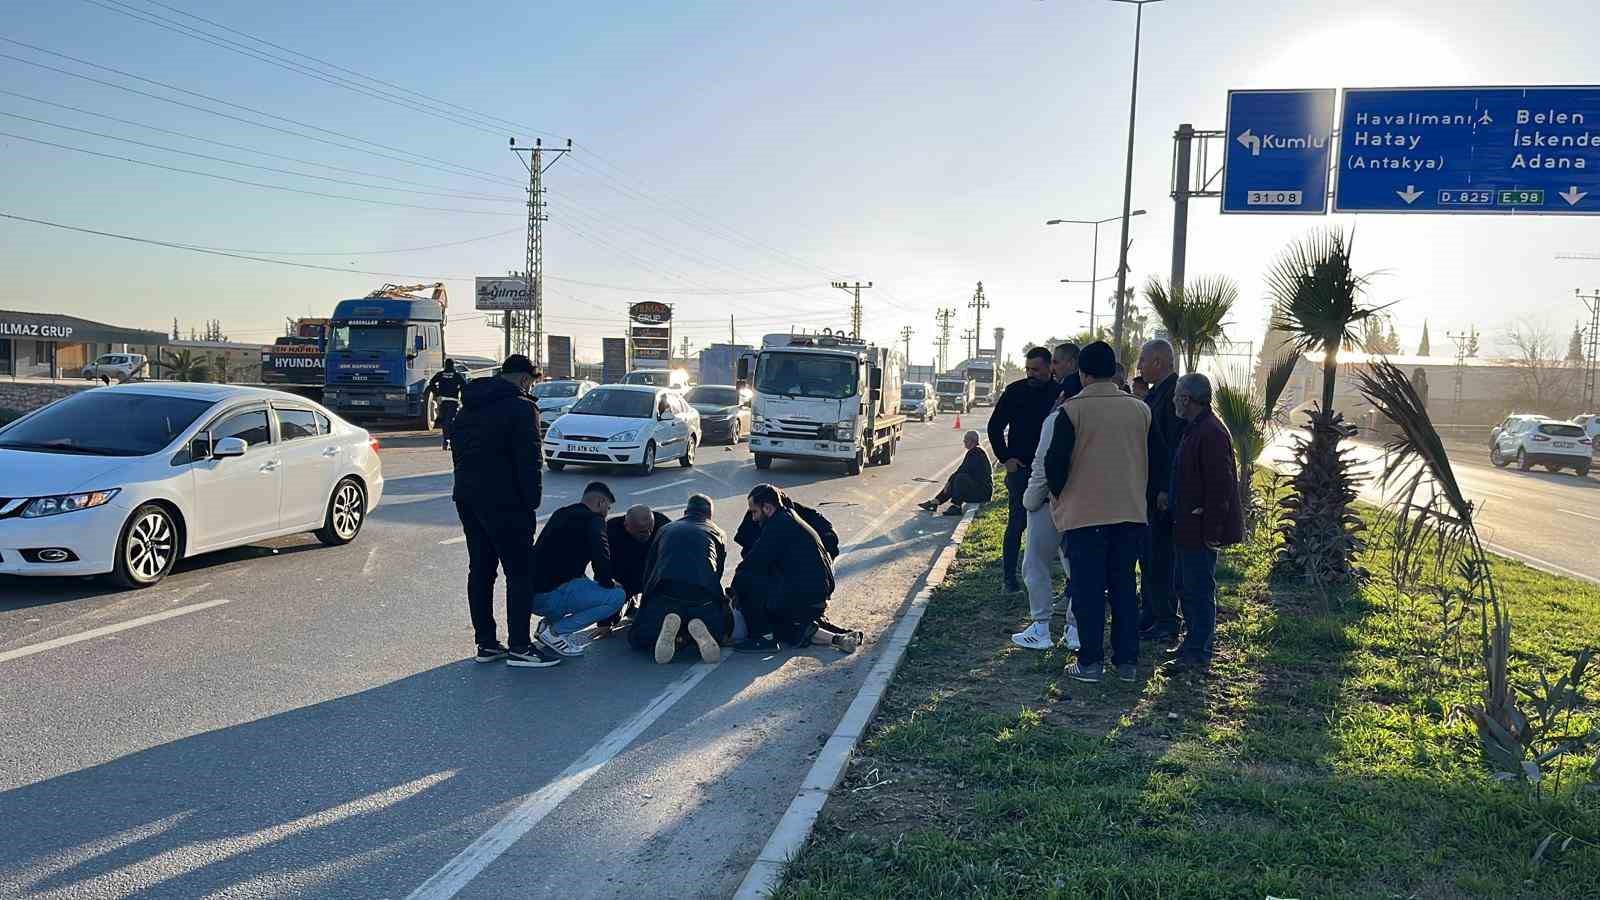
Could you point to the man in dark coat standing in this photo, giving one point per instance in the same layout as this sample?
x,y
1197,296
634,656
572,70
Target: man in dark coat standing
x,y
1206,516
1014,434
447,385
498,486
1158,613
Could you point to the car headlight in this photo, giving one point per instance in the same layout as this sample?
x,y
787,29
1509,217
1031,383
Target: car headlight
x,y
65,503
553,433
629,435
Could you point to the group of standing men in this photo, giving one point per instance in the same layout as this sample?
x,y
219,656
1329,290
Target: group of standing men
x,y
587,570
1107,481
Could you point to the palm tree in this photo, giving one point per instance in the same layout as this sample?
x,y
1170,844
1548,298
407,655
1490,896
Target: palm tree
x,y
1252,419
1194,314
183,365
1317,300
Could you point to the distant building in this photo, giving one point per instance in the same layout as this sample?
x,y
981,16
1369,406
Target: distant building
x,y
1491,389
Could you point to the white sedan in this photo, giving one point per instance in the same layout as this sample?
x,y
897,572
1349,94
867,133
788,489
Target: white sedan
x,y
633,425
127,480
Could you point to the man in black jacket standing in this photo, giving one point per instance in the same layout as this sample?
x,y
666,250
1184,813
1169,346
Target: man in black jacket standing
x,y
1064,370
1158,613
498,486
784,582
1014,435
447,385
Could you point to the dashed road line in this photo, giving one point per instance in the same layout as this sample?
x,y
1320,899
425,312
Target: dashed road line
x,y
102,631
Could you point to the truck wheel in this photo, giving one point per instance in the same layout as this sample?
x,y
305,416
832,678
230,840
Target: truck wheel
x,y
430,411
763,461
853,467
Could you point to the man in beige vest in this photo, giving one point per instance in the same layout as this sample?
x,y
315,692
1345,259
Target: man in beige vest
x,y
1096,468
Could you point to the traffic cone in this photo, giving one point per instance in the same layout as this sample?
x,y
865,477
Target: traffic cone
x,y
957,425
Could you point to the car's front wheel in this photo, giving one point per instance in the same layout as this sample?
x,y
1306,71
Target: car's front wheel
x,y
648,464
1522,460
347,512
687,459
1495,458
147,549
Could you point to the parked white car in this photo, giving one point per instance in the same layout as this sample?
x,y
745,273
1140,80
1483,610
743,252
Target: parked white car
x,y
624,425
1532,441
556,398
128,480
119,367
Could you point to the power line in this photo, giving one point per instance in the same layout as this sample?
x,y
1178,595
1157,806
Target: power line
x,y
231,162
259,184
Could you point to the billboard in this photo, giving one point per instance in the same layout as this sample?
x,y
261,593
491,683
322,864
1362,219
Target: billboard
x,y
558,356
613,359
650,312
502,293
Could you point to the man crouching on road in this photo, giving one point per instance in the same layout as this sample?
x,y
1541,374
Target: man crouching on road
x,y
568,601
973,482
683,587
784,582
629,538
498,487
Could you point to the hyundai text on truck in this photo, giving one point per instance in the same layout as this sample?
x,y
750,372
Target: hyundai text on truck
x,y
824,397
382,351
956,392
299,357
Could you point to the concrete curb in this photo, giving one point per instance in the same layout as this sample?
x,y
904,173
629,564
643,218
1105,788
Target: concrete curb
x,y
795,826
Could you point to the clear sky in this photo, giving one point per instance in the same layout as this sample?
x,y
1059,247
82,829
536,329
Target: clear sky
x,y
731,157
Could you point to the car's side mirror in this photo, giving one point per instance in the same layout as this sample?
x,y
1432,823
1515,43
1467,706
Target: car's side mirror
x,y
229,447
200,447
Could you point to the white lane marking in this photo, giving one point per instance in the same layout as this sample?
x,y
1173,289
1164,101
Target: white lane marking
x,y
1490,494
93,633
420,475
1540,564
466,865
722,481
487,848
1573,512
458,539
372,558
659,487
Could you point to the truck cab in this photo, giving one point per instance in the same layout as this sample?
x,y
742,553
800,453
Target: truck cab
x,y
381,353
826,396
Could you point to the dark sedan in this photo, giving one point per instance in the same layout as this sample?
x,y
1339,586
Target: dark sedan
x,y
724,412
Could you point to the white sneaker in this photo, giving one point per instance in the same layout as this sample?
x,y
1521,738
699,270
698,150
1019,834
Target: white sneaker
x,y
1034,637
557,643
1070,639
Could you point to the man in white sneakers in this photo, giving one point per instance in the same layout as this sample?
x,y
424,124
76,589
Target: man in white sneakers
x,y
1044,545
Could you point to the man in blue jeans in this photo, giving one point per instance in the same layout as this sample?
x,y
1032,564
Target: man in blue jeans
x,y
566,599
1095,467
1207,515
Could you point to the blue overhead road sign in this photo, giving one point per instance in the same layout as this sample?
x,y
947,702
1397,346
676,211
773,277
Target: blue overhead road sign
x,y
1276,159
1528,150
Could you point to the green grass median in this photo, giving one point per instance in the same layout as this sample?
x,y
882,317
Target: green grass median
x,y
1313,762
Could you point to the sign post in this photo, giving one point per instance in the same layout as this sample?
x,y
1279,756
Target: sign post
x,y
1477,150
1276,152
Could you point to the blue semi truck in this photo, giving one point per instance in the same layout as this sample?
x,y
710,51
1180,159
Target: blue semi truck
x,y
382,351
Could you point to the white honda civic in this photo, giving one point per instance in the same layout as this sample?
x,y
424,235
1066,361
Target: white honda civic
x,y
127,480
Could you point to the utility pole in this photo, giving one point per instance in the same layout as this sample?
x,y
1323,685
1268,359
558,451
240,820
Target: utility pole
x,y
685,352
968,336
855,308
1463,343
731,341
978,303
944,315
1591,301
531,341
1183,142
905,335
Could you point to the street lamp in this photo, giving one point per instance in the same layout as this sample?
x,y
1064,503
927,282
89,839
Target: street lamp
x,y
1095,259
1127,182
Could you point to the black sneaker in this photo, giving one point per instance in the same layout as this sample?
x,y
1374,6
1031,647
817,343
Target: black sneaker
x,y
488,653
532,656
954,509
756,645
929,505
1127,672
1091,673
1011,586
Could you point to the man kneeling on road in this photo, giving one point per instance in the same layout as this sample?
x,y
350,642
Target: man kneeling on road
x,y
750,527
629,537
683,588
566,600
784,582
973,482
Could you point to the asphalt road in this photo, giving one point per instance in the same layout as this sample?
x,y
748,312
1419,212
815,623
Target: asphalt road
x,y
1546,519
290,720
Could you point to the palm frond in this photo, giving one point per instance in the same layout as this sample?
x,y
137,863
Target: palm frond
x,y
1417,453
1243,415
1278,381
1194,314
1316,292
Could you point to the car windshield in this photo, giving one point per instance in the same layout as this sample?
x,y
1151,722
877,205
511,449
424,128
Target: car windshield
x,y
1560,430
706,395
654,379
806,375
952,387
369,337
911,392
550,389
105,423
620,404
